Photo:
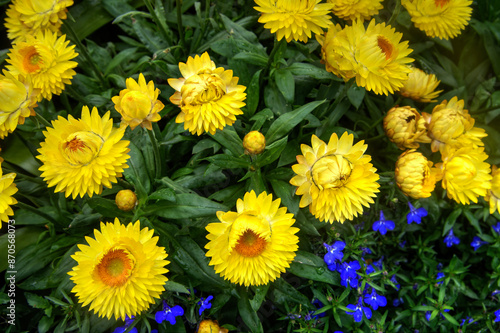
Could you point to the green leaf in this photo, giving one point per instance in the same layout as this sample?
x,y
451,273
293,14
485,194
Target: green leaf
x,y
253,94
229,139
260,296
285,191
272,152
176,287
285,83
105,207
473,220
229,162
448,317
284,292
252,58
310,266
356,95
120,58
163,194
186,205
137,172
310,70
248,314
450,220
36,301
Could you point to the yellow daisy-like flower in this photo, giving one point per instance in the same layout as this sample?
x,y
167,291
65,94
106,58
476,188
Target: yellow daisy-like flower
x,y
356,9
47,59
17,101
209,97
335,180
7,189
493,195
374,56
465,174
404,126
415,175
255,244
121,271
81,155
139,104
421,86
444,19
451,124
28,17
294,19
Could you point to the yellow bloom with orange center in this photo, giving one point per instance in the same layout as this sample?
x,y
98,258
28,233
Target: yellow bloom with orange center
x,y
121,270
254,143
28,17
336,179
444,19
465,174
80,156
404,126
415,175
421,86
17,101
255,244
493,195
294,19
139,104
209,97
47,59
7,189
356,9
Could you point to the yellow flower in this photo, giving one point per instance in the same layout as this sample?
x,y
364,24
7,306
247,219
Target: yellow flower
x,y
139,104
120,272
335,180
356,9
7,189
81,155
493,195
209,97
17,101
439,18
125,200
415,175
294,19
405,127
211,326
374,56
420,86
255,244
47,59
465,174
451,124
254,143
28,17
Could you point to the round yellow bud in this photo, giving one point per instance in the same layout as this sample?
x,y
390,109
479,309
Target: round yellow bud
x,y
126,200
405,127
415,175
493,195
210,326
254,143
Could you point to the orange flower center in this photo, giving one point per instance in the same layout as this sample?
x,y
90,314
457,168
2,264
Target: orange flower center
x,y
75,144
386,46
115,267
250,244
31,59
80,148
441,3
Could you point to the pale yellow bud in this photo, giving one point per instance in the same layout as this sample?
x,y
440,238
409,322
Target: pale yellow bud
x,y
126,200
415,175
254,142
210,326
405,127
493,195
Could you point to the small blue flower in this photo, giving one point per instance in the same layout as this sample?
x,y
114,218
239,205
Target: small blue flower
x,y
205,304
497,315
495,292
398,301
348,269
358,310
375,300
451,239
317,303
169,313
415,215
383,225
496,228
440,275
378,264
353,282
334,253
365,250
393,280
370,269
468,319
128,322
402,244
477,243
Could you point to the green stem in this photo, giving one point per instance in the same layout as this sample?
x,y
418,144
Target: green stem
x,y
182,41
173,185
156,152
395,13
37,212
276,47
204,24
159,23
375,138
44,121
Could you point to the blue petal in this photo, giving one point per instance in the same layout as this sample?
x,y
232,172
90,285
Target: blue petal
x,y
120,329
368,312
160,317
358,315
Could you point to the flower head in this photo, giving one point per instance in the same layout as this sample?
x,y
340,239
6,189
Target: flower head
x,y
439,277
205,304
383,225
396,284
375,300
82,155
254,143
210,326
255,244
405,127
415,215
7,189
209,97
120,272
356,9
493,194
139,104
47,59
415,175
335,179
128,322
357,311
334,253
294,20
349,269
477,243
168,313
497,316
439,18
125,200
496,228
421,86
451,239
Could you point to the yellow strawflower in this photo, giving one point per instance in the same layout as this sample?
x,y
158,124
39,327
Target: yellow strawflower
x,y
374,56
139,104
415,175
17,101
294,19
209,97
80,156
125,200
356,9
465,174
211,326
7,189
121,270
28,17
444,19
493,195
254,143
421,86
255,244
404,126
335,180
47,59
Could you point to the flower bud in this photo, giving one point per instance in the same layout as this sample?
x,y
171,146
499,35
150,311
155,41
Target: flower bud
x,y
415,175
254,143
126,200
493,195
210,326
405,127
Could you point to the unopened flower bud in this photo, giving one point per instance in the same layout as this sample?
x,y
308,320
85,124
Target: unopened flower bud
x,y
254,143
210,326
126,200
415,175
405,127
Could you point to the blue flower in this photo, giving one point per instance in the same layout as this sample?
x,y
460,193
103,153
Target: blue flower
x,y
496,227
402,244
205,304
470,320
398,301
383,225
358,310
440,275
393,280
353,282
317,303
451,239
415,215
370,269
365,250
497,315
379,263
348,269
128,322
375,300
428,315
334,253
168,313
477,243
